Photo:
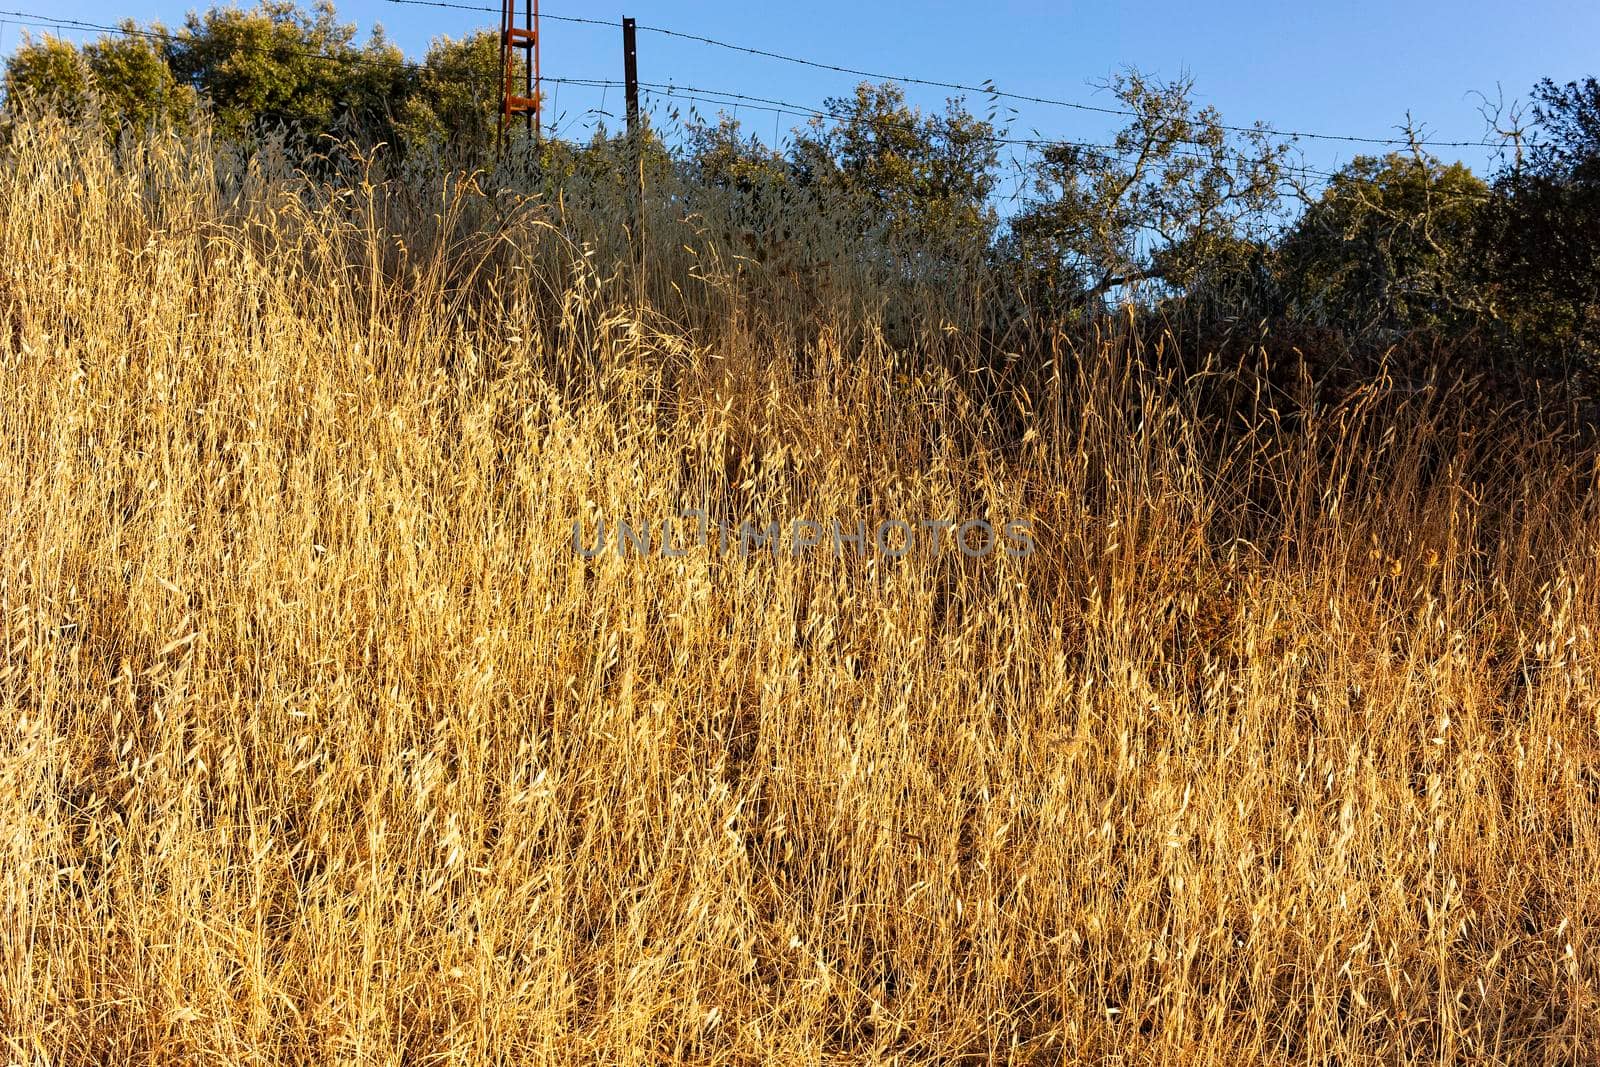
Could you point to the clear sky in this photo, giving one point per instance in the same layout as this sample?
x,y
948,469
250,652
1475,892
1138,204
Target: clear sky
x,y
1350,67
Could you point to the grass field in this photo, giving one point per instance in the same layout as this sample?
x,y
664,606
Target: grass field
x,y
320,743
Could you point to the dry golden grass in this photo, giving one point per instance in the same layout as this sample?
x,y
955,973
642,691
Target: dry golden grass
x,y
318,743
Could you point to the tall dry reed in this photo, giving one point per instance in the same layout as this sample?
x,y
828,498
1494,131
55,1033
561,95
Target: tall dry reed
x,y
319,742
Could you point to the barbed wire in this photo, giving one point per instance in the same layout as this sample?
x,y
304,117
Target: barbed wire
x,y
759,103
987,88
708,96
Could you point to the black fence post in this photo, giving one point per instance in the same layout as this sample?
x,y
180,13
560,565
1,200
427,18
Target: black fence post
x,y
630,74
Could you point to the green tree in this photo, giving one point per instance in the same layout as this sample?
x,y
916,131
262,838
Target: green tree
x,y
1541,236
1174,193
278,64
1389,245
722,156
134,82
121,78
927,178
453,102
50,73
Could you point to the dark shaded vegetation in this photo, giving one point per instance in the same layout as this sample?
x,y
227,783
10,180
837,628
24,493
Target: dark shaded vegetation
x,y
1402,261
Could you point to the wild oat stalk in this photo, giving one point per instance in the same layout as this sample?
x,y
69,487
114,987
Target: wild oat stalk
x,y
318,742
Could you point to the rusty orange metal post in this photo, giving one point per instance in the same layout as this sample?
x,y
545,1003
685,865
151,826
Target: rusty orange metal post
x,y
526,102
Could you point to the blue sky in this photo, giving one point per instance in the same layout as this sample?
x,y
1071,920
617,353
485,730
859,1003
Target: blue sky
x,y
1354,67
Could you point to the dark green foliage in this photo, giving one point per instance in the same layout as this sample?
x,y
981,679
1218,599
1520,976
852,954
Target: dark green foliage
x,y
924,179
1388,246
1542,231
279,65
50,73
451,98
722,157
1157,208
1176,212
123,79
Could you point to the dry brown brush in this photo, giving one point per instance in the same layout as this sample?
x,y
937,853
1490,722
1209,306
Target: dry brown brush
x,y
320,743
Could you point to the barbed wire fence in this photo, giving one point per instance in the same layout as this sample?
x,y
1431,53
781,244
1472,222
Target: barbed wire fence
x,y
1303,178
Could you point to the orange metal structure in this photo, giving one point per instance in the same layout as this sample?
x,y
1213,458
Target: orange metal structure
x,y
528,101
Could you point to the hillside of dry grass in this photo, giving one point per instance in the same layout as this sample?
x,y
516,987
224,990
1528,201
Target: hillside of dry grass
x,y
319,742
